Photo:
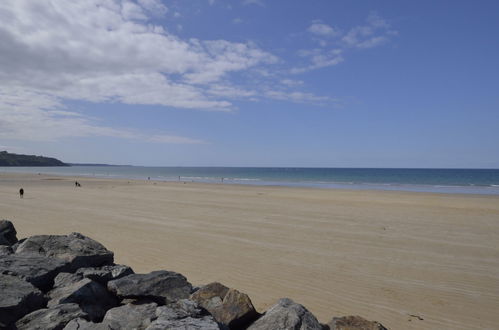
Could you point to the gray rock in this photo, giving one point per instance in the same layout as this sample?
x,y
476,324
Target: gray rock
x,y
130,316
228,306
161,286
65,279
7,233
78,250
286,315
354,323
50,318
38,270
189,323
5,250
105,274
179,310
92,297
17,298
82,324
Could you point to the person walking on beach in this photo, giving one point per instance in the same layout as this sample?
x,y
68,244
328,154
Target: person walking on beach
x,y
21,193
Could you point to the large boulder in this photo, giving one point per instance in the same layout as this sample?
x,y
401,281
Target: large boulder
x,y
7,233
162,286
65,279
54,318
228,306
179,310
17,298
204,323
38,270
82,324
106,273
78,250
92,297
5,250
353,323
130,316
286,315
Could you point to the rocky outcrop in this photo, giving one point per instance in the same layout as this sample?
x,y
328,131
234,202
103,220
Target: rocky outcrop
x,y
286,315
7,233
38,270
17,298
160,286
84,289
105,274
55,317
353,323
92,297
75,249
203,323
5,250
228,306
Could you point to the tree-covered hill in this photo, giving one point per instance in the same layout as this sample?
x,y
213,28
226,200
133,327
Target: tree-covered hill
x,y
8,159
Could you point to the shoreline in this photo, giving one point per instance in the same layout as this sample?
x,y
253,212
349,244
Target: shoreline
x,y
380,254
487,190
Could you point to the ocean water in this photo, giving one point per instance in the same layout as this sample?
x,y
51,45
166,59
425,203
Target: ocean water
x,y
470,181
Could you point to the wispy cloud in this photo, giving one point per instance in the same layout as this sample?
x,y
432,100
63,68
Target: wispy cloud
x,y
254,2
323,30
333,44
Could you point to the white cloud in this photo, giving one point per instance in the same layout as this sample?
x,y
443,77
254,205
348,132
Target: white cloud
x,y
103,51
319,58
375,33
237,20
322,29
155,7
292,82
298,97
254,2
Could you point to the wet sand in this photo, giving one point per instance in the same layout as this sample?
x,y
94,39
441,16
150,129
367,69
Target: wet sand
x,y
382,255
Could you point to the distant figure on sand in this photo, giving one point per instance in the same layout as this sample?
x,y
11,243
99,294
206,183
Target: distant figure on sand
x,y
21,192
77,184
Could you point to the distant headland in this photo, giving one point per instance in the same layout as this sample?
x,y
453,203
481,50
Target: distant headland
x,y
8,159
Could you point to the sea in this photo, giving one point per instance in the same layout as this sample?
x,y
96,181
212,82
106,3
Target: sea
x,y
456,181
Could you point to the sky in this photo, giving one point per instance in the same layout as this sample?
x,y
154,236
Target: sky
x,y
299,83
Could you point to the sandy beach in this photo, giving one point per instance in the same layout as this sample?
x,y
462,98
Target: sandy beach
x,y
408,260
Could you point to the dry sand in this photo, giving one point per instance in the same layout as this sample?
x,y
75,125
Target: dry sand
x,y
382,255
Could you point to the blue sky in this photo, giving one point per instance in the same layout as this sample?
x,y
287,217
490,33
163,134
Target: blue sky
x,y
252,82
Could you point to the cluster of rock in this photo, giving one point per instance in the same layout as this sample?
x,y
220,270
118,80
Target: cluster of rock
x,y
71,282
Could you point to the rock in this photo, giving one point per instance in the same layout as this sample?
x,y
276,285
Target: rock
x,y
5,250
66,279
55,317
92,297
17,298
286,315
179,310
228,306
130,316
210,296
38,270
160,286
354,323
78,250
204,323
82,324
105,274
7,233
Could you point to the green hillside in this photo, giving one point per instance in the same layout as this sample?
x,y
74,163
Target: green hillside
x,y
8,159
